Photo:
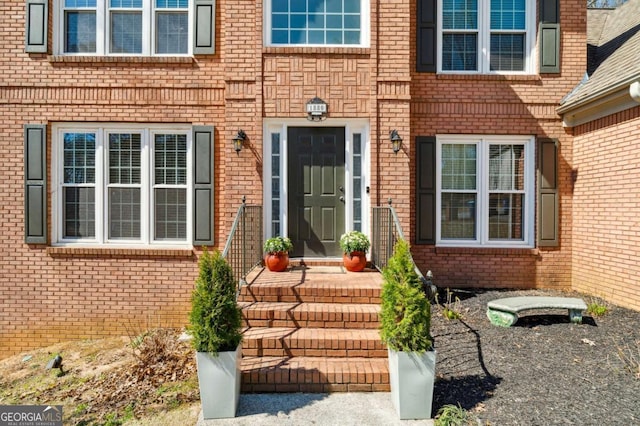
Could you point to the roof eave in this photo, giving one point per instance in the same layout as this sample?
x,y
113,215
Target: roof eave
x,y
614,99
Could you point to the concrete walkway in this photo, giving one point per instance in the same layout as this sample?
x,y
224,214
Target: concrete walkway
x,y
289,409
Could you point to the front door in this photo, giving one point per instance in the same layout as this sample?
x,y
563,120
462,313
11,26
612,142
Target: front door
x,y
316,204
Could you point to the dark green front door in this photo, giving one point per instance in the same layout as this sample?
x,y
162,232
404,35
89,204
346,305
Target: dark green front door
x,y
316,190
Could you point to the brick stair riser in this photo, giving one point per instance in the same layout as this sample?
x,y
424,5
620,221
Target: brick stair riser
x,y
368,321
328,296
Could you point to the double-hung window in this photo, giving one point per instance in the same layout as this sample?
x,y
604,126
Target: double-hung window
x,y
124,27
122,185
486,36
485,190
317,23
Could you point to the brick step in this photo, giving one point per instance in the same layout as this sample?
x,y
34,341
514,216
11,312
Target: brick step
x,y
310,342
286,287
314,374
310,315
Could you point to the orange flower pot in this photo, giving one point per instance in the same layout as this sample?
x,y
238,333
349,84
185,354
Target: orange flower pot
x,y
277,262
355,261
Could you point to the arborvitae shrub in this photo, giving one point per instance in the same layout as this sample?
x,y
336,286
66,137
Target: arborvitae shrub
x,y
406,311
215,318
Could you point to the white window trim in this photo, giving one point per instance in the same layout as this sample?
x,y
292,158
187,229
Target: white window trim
x,y
365,29
102,30
147,217
280,127
484,33
482,237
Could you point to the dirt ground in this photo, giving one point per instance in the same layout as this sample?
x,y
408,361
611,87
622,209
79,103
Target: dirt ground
x,y
149,379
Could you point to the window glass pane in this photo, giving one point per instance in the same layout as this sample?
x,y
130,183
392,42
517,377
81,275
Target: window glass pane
x,y
126,32
172,4
508,14
280,5
316,22
459,52
124,158
335,6
79,32
506,216
458,216
352,37
170,159
459,166
124,213
280,20
172,32
78,216
459,14
170,213
507,52
79,153
79,3
125,4
506,167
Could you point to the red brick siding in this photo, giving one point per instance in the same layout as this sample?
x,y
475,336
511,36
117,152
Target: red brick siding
x,y
606,240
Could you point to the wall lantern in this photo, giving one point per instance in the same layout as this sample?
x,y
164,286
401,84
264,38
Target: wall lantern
x,y
396,141
238,140
316,109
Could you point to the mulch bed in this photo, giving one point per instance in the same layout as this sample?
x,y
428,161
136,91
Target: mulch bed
x,y
544,370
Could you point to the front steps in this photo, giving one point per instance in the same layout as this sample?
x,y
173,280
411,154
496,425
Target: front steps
x,y
313,329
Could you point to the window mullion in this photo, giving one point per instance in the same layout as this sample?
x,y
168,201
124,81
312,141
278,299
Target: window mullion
x,y
148,27
483,195
146,218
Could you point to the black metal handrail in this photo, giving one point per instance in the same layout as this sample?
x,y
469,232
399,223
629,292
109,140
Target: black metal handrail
x,y
386,232
243,250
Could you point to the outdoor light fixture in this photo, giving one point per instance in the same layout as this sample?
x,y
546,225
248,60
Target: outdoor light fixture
x,y
396,141
238,140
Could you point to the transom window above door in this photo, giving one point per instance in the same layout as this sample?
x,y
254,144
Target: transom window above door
x,y
317,23
131,27
486,36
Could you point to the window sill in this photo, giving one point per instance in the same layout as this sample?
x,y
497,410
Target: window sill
x,y
489,251
301,50
490,77
109,252
72,59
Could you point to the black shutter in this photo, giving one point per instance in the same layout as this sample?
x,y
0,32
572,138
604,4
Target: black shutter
x,y
426,39
203,186
548,197
425,190
35,184
204,41
549,34
36,26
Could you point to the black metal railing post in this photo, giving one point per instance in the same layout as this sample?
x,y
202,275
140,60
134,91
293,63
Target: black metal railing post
x,y
243,249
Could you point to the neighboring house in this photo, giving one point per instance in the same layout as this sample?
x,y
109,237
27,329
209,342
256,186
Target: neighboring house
x,y
118,164
603,114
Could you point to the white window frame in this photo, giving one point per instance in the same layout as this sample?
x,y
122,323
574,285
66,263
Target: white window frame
x,y
103,36
279,126
147,218
365,29
484,35
482,189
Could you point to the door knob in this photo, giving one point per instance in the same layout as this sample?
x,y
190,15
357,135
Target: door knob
x,y
342,198
341,189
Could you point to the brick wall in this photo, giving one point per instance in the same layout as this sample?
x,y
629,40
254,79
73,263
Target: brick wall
x,y
50,294
503,105
606,240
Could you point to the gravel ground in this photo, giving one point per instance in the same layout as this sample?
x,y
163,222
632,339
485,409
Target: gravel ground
x,y
541,371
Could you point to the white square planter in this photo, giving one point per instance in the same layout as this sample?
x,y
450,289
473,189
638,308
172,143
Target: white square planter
x,y
412,376
219,379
